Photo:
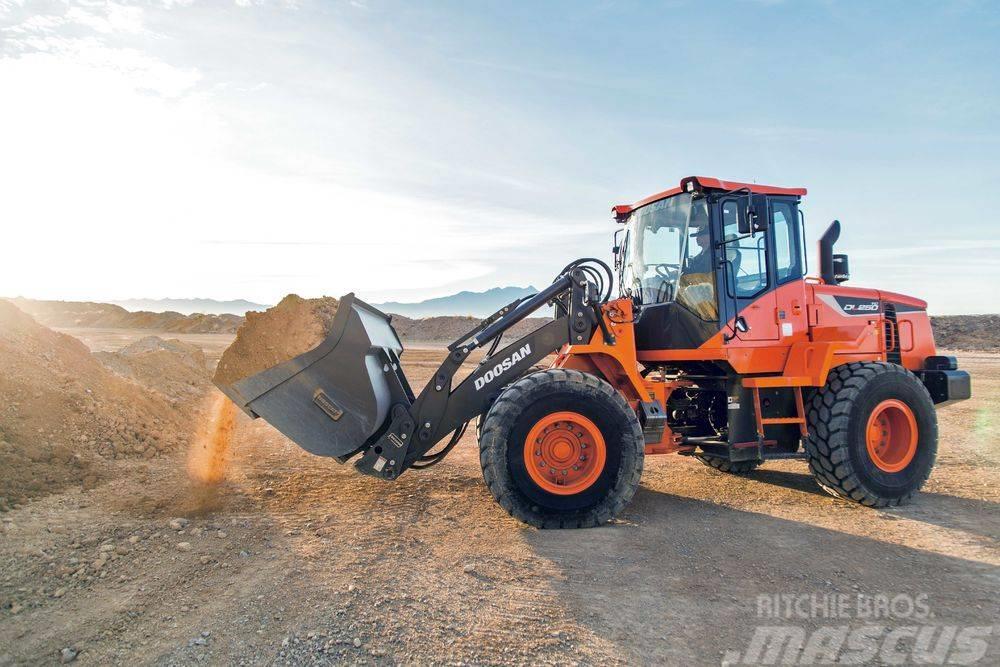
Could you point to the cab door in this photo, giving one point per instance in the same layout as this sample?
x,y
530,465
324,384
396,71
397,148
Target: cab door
x,y
788,267
749,284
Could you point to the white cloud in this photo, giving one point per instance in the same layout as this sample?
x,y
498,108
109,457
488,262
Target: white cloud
x,y
112,192
103,19
8,6
108,18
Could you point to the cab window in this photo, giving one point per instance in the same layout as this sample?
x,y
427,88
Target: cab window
x,y
746,265
787,247
696,287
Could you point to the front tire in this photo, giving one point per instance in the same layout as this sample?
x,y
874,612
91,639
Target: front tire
x,y
872,434
561,449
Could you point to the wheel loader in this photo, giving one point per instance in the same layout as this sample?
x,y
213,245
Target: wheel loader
x,y
719,345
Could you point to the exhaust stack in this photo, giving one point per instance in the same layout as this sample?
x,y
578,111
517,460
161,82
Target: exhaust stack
x,y
826,267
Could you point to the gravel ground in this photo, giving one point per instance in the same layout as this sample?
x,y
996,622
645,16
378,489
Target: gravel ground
x,y
296,559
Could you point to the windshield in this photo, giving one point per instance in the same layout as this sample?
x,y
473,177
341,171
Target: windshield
x,y
668,249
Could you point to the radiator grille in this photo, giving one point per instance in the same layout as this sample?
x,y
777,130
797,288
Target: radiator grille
x,y
892,352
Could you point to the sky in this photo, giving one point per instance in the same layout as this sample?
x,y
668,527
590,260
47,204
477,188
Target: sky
x,y
406,150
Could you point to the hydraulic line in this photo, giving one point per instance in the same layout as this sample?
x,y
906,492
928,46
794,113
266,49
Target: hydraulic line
x,y
428,460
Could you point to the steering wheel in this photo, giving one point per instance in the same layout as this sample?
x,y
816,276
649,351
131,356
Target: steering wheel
x,y
666,271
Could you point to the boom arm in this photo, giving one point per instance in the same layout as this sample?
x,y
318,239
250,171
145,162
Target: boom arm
x,y
415,426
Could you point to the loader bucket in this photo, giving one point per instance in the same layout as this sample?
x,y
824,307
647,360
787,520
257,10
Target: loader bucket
x,y
333,398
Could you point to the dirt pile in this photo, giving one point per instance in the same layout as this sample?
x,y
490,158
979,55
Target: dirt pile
x,y
967,332
201,323
63,414
106,315
176,370
294,326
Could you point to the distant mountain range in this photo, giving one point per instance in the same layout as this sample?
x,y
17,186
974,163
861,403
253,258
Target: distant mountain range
x,y
191,306
476,304
464,304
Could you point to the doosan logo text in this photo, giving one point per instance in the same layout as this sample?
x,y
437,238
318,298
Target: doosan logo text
x,y
502,367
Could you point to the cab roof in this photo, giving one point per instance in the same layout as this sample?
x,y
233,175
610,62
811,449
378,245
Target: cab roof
x,y
705,183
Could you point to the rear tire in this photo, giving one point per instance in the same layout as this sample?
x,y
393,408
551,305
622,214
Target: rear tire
x,y
727,466
554,417
872,434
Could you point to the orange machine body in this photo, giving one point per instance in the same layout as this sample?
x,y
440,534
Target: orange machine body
x,y
786,340
823,335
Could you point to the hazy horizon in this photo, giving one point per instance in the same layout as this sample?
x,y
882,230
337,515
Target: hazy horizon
x,y
410,151
483,303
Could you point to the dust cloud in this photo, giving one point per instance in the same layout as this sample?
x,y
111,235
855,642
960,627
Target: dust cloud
x,y
209,454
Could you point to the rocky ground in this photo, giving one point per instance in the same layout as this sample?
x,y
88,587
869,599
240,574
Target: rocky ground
x,y
296,559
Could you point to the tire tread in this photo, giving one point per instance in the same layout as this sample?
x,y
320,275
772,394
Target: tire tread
x,y
500,420
826,447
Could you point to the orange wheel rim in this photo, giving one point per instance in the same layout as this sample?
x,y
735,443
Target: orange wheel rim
x,y
891,435
564,453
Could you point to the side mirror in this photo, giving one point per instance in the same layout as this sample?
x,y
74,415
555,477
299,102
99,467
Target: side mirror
x,y
754,219
617,247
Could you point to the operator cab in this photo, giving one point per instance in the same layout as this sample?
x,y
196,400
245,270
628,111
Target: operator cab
x,y
694,257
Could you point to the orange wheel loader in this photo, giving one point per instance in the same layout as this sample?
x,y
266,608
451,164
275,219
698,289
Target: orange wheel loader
x,y
719,346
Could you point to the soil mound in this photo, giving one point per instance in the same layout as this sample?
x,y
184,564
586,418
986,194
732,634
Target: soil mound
x,y
967,332
177,370
63,414
109,316
294,326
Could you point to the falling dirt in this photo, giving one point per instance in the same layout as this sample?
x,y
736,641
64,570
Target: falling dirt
x,y
209,454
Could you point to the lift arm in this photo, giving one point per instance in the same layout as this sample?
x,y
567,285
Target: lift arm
x,y
416,425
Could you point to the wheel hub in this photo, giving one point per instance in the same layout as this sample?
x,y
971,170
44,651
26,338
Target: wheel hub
x,y
564,453
891,435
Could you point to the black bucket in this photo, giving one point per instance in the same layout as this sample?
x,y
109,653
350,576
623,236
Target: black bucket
x,y
332,399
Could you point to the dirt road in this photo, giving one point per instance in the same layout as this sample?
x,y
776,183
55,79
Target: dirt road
x,y
298,559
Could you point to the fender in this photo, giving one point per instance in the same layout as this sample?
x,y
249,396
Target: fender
x,y
617,363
